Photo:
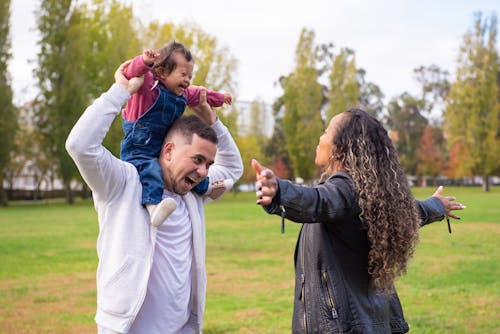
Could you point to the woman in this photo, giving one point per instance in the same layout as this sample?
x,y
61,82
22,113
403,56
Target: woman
x,y
360,227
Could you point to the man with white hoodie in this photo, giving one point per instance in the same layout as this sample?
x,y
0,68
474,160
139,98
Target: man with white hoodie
x,y
151,279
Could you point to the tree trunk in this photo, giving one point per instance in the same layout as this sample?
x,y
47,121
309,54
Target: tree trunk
x,y
69,194
86,193
3,197
486,184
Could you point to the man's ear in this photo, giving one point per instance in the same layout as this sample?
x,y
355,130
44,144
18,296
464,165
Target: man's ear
x,y
167,149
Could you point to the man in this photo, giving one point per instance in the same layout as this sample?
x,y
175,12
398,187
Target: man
x,y
149,279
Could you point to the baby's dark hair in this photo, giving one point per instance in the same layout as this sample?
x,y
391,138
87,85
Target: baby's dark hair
x,y
165,61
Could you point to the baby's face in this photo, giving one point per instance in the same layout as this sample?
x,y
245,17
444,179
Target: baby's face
x,y
179,79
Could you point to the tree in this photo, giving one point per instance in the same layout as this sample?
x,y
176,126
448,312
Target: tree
x,y
29,158
251,139
62,81
302,102
112,30
249,149
277,157
435,88
432,152
404,117
8,112
349,88
371,97
473,107
257,120
78,57
431,160
344,87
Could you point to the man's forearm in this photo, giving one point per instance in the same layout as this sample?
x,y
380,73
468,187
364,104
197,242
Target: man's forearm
x,y
84,143
90,130
228,163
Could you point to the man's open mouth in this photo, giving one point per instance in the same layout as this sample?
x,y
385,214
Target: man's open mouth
x,y
191,180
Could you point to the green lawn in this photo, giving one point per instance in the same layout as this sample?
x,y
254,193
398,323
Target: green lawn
x,y
48,262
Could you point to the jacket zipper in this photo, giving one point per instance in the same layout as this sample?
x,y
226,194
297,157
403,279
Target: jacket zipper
x,y
303,278
283,213
329,296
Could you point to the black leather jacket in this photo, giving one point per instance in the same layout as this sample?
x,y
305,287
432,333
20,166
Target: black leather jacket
x,y
333,290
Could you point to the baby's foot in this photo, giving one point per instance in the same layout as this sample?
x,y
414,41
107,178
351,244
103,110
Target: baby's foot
x,y
219,187
160,212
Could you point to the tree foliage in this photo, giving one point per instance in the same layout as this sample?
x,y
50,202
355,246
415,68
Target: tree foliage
x,y
344,90
404,117
371,98
349,88
473,108
257,120
434,91
61,79
302,101
431,160
113,34
275,150
8,112
249,149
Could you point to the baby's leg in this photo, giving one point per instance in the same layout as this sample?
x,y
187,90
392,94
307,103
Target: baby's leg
x,y
152,191
158,213
215,189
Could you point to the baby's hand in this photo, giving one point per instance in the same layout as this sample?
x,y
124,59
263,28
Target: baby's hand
x,y
228,99
149,56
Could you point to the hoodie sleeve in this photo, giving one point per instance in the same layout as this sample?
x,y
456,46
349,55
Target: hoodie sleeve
x,y
103,172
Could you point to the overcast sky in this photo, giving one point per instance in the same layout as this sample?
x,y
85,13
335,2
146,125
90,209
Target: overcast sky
x,y
390,37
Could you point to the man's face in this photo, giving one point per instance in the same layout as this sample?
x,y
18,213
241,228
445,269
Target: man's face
x,y
184,165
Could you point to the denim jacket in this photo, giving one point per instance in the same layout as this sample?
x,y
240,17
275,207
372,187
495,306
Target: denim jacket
x,y
333,290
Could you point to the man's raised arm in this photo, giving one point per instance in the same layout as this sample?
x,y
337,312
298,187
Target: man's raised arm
x,y
99,168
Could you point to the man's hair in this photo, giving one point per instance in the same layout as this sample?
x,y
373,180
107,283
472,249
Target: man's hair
x,y
166,60
187,126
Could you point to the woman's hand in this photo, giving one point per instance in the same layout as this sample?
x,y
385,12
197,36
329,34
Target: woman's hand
x,y
267,185
449,203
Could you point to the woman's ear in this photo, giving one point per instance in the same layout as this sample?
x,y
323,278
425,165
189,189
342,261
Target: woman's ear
x,y
337,153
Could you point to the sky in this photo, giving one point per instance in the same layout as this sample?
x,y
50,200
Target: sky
x,y
390,37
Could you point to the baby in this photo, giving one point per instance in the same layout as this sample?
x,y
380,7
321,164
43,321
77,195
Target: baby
x,y
149,114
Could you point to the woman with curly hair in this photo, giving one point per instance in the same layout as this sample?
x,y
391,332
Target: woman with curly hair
x,y
360,227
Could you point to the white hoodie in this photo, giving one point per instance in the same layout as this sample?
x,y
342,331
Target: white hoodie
x,y
126,240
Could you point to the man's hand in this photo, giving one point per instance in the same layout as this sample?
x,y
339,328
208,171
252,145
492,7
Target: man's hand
x,y
131,85
203,109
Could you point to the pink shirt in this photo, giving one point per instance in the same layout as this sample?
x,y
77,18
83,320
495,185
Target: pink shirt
x,y
140,102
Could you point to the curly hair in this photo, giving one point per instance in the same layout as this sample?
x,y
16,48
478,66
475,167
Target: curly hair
x,y
388,209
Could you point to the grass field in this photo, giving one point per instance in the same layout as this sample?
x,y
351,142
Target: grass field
x,y
48,262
